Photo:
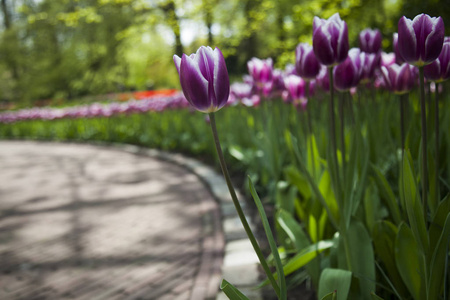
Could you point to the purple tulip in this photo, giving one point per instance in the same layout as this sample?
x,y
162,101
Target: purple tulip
x,y
399,79
439,70
262,74
261,70
370,40
278,80
370,62
306,63
420,40
348,73
322,79
241,90
253,101
330,40
204,79
295,87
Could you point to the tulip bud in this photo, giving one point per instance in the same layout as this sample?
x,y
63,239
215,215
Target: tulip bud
x,y
420,40
306,63
261,69
204,79
370,40
439,70
348,73
399,79
262,73
330,40
295,87
322,79
370,62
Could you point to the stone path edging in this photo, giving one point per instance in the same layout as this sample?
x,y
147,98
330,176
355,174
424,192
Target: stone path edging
x,y
240,262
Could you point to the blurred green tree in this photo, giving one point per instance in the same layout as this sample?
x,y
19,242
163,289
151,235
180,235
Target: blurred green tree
x,y
71,48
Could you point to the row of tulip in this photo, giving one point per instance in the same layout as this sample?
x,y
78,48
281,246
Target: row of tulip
x,y
145,105
367,66
413,245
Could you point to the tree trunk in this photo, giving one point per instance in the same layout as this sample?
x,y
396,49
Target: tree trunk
x,y
208,8
174,22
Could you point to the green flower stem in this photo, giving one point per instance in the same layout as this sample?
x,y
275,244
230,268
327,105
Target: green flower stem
x,y
402,101
311,148
238,207
423,114
332,126
436,140
342,130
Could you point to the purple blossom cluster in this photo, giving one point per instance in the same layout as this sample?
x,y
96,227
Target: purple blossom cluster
x,y
419,43
96,109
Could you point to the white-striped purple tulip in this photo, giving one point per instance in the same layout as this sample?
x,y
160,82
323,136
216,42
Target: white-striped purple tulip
x,y
420,40
306,63
370,40
348,73
399,79
370,62
330,40
241,90
261,70
295,87
439,70
278,80
204,79
322,79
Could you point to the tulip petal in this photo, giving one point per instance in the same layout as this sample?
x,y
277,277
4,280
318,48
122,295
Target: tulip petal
x,y
177,61
194,85
434,41
404,79
407,43
432,71
317,22
221,79
342,46
322,47
386,76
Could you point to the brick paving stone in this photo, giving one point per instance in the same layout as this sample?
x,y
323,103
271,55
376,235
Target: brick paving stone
x,y
89,222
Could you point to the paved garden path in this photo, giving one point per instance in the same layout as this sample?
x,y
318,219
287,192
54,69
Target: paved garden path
x,y
91,222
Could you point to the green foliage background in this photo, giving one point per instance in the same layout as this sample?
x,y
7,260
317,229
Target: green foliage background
x,y
71,48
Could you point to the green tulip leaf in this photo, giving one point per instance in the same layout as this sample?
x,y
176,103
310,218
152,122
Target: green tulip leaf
x,y
410,262
438,262
334,281
414,208
330,296
384,236
387,194
375,297
232,292
270,238
358,256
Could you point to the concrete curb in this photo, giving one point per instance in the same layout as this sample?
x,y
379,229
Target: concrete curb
x,y
240,262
